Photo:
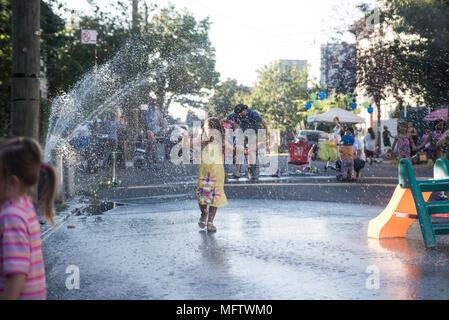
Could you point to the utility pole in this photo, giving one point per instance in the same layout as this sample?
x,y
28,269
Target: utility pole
x,y
25,68
135,16
146,18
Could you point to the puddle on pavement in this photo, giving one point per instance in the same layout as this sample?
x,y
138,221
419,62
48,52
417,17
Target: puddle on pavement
x,y
98,208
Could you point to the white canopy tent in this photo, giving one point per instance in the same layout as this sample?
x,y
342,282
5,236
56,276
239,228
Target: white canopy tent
x,y
343,115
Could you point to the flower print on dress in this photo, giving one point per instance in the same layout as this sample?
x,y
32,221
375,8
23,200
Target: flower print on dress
x,y
208,179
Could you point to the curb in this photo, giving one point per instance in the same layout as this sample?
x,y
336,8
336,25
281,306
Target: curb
x,y
63,218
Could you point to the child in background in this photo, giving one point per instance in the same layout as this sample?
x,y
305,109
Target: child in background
x,y
403,140
370,145
347,157
338,133
435,148
22,272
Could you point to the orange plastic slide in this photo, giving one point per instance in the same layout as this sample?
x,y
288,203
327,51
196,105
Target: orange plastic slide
x,y
397,217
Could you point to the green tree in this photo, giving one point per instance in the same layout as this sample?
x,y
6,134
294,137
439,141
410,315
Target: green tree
x,y
422,56
5,65
226,95
51,42
182,52
66,58
279,95
377,68
191,117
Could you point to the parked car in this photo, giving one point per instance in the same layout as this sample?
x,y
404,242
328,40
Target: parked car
x,y
312,137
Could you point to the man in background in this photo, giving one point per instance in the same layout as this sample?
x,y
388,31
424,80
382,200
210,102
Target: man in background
x,y
246,118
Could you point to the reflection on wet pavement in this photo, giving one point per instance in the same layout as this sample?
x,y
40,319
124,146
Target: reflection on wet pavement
x,y
262,250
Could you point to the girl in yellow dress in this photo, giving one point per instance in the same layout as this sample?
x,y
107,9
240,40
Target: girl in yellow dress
x,y
211,176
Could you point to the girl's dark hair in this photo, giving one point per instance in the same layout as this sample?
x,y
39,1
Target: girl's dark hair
x,y
371,133
240,108
215,123
22,157
402,125
437,122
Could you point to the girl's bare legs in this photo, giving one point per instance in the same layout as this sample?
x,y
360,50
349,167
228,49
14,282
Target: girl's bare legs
x,y
203,218
210,222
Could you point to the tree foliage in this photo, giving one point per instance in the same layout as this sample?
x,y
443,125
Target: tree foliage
x,y
51,40
176,45
423,57
226,95
5,65
377,67
191,117
181,44
279,95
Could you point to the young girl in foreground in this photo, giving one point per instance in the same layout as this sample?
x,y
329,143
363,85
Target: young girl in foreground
x,y
211,174
22,273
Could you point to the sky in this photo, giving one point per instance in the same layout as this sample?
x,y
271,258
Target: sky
x,y
249,34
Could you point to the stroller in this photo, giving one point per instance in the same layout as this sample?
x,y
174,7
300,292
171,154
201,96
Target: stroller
x,y
301,154
336,166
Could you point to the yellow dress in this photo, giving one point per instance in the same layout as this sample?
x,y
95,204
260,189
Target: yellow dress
x,y
211,176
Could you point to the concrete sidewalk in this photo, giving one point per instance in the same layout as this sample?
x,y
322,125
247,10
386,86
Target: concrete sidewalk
x,y
374,188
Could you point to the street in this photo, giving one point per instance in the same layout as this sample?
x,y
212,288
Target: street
x,y
151,248
314,135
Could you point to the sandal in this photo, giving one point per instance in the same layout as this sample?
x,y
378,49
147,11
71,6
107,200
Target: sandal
x,y
211,227
202,222
235,177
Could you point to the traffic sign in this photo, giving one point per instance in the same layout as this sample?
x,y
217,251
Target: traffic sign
x,y
89,36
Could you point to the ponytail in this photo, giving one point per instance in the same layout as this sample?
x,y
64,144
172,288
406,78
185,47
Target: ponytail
x,y
22,157
48,192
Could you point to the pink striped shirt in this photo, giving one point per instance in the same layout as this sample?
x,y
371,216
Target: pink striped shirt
x,y
21,250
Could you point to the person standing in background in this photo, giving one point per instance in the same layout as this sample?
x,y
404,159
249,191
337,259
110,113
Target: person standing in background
x,y
246,118
109,135
386,135
337,134
347,156
435,148
413,132
414,137
370,145
403,141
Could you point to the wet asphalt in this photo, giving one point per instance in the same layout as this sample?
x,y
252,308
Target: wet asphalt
x,y
152,248
293,237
